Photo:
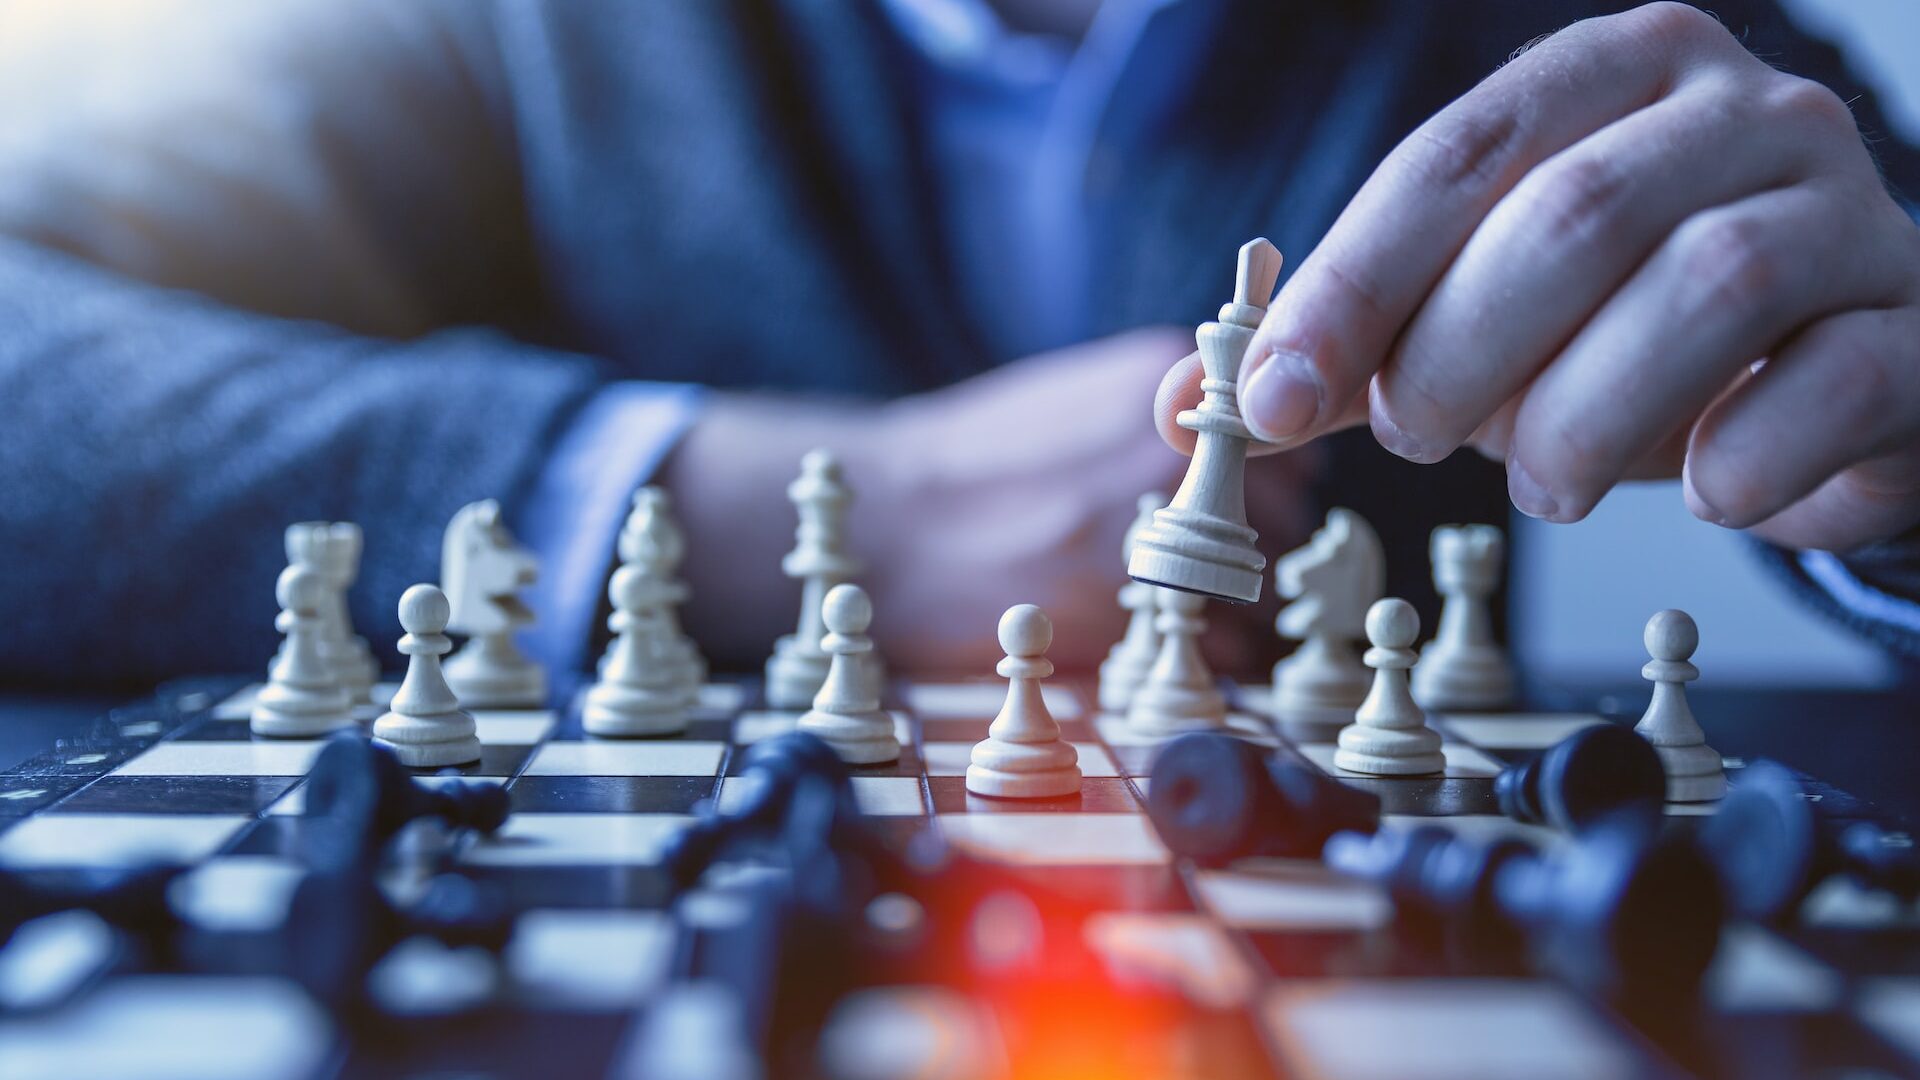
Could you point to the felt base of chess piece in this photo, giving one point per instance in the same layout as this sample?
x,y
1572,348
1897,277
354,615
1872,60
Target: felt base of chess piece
x,y
356,782
1589,774
1215,798
794,675
486,675
620,709
1463,678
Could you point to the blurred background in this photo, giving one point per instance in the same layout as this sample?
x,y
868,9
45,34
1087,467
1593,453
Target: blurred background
x,y
1582,592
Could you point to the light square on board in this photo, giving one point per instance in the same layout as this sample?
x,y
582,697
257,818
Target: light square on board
x,y
877,796
51,840
952,759
1516,731
521,727
1178,951
290,757
964,700
1057,839
295,801
238,893
1463,762
576,839
1291,894
1118,733
627,759
598,959
1442,1029
1891,1008
755,726
1754,971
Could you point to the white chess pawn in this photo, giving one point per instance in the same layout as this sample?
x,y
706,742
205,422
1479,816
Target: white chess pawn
x,y
1389,735
1463,667
1694,769
820,561
1332,581
301,697
1178,693
1126,666
483,568
1201,541
846,712
652,514
425,726
1023,756
642,685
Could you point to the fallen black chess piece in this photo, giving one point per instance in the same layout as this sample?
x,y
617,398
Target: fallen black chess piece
x,y
364,789
132,901
1772,845
1214,798
1588,775
1622,911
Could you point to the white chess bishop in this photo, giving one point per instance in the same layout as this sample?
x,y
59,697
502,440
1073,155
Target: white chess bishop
x,y
1023,756
642,687
302,696
820,561
483,568
652,512
1178,694
1201,541
1332,581
1695,772
425,726
846,712
1463,667
1389,735
1126,666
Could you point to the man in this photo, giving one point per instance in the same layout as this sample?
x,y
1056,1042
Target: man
x,y
372,261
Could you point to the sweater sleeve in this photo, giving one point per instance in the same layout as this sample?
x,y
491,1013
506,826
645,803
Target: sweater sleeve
x,y
244,250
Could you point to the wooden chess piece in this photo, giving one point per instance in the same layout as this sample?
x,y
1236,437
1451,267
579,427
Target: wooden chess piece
x,y
1389,735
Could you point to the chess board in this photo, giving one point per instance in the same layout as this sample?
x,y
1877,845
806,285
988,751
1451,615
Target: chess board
x,y
1283,968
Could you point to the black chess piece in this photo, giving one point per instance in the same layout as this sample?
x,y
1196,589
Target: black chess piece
x,y
792,782
1622,911
355,781
1214,798
132,901
1772,846
1593,772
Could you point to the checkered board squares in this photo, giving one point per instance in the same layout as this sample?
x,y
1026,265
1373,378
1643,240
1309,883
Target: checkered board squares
x,y
590,959
877,796
576,839
293,757
115,840
1057,839
1515,731
753,727
606,758
1290,894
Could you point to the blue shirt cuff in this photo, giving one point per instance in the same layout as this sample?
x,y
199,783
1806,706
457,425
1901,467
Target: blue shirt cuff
x,y
573,517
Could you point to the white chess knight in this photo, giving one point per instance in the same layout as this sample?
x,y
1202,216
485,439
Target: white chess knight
x,y
1389,735
1463,667
1333,580
820,561
642,688
333,548
1126,666
483,569
1695,772
652,512
302,697
846,712
1023,756
425,726
1201,541
1178,694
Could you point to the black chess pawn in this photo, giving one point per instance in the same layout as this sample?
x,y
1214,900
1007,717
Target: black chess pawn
x,y
1594,772
1214,798
791,782
1772,847
1622,911
363,787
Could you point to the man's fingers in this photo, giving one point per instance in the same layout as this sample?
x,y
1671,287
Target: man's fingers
x,y
1725,288
1180,390
1563,240
1333,323
1766,447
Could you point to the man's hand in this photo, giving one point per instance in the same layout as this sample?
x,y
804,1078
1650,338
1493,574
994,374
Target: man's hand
x,y
1579,267
1014,487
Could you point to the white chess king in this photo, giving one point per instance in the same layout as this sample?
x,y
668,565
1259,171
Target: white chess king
x,y
1201,541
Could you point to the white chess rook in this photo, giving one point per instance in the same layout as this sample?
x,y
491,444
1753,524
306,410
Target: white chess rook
x,y
483,568
1389,735
820,561
1332,581
425,726
642,687
1694,770
333,549
1126,666
652,513
1201,541
302,697
846,712
1023,756
1178,694
1463,667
